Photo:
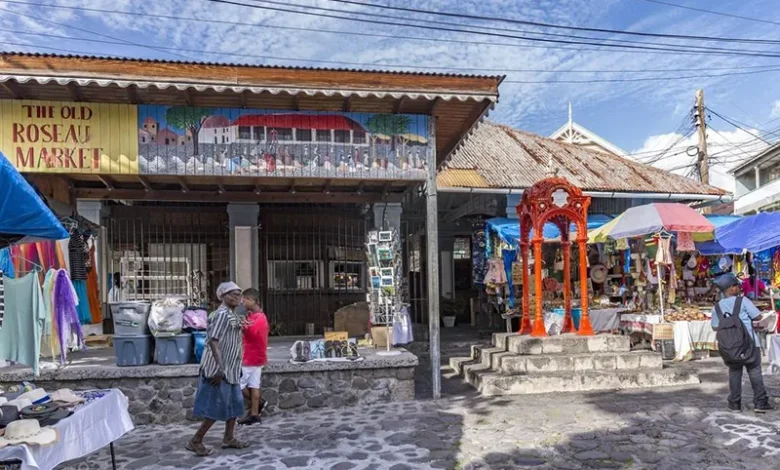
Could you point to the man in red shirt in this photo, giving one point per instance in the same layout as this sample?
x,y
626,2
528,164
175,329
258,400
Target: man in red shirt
x,y
255,354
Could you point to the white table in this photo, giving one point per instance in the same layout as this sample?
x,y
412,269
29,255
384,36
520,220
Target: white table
x,y
692,336
773,354
603,320
91,427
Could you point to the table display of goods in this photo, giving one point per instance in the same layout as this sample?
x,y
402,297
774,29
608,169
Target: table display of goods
x,y
687,314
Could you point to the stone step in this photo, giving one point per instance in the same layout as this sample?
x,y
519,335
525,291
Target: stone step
x,y
491,383
566,344
510,363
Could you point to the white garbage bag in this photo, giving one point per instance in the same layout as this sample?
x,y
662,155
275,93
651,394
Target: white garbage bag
x,y
166,317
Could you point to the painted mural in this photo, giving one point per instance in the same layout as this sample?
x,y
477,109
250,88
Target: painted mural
x,y
227,141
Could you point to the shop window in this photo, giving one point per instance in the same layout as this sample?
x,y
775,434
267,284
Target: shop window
x,y
303,135
323,136
283,135
295,275
244,132
341,136
358,137
462,249
347,275
259,133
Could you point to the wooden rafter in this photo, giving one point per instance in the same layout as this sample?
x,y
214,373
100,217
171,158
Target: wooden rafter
x,y
347,104
221,188
297,102
183,184
244,99
132,94
75,92
188,98
326,188
14,89
107,182
435,104
398,105
360,187
146,184
235,196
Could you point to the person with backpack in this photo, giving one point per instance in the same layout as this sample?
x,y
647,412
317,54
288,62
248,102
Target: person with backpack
x,y
732,319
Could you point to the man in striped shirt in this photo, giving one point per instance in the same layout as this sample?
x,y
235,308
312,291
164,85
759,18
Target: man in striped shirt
x,y
219,394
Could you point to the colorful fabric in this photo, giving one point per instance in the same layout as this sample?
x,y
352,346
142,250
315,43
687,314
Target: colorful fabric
x,y
6,263
685,242
2,298
479,255
509,257
93,294
77,253
65,314
82,307
20,337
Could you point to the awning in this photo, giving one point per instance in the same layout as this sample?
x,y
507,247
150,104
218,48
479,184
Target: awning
x,y
24,216
508,229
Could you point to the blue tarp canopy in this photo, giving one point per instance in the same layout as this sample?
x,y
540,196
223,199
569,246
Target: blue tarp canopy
x,y
23,213
713,247
754,233
509,229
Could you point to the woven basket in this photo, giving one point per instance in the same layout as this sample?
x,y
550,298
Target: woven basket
x,y
662,331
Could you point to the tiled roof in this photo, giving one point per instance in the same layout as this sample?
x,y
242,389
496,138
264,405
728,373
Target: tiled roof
x,y
512,159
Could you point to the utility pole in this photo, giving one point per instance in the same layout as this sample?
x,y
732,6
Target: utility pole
x,y
703,163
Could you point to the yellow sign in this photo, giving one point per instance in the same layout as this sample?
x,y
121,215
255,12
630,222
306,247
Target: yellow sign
x,y
64,137
336,335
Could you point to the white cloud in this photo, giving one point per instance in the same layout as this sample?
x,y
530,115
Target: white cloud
x,y
775,113
726,150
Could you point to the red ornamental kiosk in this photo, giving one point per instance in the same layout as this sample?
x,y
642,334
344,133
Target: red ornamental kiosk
x,y
557,201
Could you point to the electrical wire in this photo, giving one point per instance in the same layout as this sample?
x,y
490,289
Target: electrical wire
x,y
711,12
363,64
546,25
639,79
728,120
359,34
719,51
83,30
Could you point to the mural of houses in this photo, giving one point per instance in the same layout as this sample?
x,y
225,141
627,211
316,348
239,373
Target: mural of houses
x,y
284,128
151,126
167,137
146,137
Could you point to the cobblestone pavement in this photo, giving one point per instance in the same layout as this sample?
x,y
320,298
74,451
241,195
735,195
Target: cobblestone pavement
x,y
650,429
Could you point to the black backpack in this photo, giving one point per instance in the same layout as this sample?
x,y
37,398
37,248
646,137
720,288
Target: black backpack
x,y
735,344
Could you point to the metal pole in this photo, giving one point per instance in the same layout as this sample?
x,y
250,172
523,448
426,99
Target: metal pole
x,y
432,237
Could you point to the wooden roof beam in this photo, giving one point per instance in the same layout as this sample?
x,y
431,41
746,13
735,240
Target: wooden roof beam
x,y
326,188
360,187
233,196
184,187
107,182
398,104
221,188
145,183
435,104
292,187
385,190
132,94
258,189
75,92
14,89
297,102
244,99
347,107
188,98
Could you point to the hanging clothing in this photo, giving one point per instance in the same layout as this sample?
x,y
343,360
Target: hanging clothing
x,y
2,298
93,294
64,252
685,241
663,255
6,263
20,337
82,302
77,254
50,325
509,257
65,314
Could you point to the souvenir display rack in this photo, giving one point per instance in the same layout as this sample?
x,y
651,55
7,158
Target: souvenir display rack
x,y
386,280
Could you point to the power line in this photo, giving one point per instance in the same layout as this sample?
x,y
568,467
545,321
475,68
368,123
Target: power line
x,y
549,25
384,36
718,51
640,79
711,12
83,30
728,120
408,66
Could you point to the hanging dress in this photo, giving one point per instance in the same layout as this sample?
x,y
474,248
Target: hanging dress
x,y
93,295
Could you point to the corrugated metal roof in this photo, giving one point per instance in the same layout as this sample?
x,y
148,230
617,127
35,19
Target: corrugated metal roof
x,y
460,179
512,159
239,64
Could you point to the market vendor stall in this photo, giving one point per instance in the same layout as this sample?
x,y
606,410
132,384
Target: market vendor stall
x,y
99,418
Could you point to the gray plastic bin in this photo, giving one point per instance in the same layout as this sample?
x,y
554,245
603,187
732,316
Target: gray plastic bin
x,y
130,318
170,350
133,350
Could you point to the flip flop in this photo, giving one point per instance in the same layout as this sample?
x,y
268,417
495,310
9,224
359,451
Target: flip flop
x,y
235,444
199,449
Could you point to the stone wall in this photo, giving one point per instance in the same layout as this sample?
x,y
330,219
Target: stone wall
x,y
166,394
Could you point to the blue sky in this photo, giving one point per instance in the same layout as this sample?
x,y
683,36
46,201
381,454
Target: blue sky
x,y
637,116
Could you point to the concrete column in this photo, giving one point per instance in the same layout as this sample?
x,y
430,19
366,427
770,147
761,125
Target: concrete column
x,y
758,176
244,249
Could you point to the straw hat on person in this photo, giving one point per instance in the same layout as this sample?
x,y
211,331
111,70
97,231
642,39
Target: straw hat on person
x,y
27,431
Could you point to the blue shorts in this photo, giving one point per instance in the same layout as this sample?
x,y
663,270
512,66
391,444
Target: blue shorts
x,y
220,403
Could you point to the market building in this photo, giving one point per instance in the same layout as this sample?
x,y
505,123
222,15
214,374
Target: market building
x,y
273,177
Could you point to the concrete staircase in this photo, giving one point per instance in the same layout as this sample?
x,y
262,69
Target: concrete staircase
x,y
518,365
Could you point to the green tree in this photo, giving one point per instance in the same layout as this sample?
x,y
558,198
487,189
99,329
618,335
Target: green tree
x,y
392,125
188,118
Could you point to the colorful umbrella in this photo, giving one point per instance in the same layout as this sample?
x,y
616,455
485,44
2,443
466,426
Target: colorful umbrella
x,y
754,233
654,218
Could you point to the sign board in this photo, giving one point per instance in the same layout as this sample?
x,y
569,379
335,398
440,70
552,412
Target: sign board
x,y
65,137
336,336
